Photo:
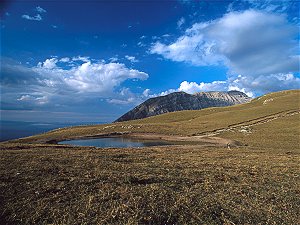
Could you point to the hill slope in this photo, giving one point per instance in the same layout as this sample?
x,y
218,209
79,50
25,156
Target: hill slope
x,y
264,111
254,183
179,101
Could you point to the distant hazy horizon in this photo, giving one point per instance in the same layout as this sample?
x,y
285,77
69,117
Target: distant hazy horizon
x,y
18,129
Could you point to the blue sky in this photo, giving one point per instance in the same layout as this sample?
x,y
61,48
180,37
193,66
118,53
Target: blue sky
x,y
74,61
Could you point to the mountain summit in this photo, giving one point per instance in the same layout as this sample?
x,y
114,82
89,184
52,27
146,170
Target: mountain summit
x,y
178,101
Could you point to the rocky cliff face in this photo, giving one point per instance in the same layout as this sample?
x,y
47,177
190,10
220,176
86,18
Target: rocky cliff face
x,y
178,101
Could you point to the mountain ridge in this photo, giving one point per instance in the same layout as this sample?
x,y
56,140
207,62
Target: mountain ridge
x,y
178,101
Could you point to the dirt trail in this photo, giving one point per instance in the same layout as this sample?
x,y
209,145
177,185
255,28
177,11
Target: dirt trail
x,y
206,138
244,126
199,140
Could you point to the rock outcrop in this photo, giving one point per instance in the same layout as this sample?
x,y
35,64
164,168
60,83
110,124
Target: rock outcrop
x,y
178,101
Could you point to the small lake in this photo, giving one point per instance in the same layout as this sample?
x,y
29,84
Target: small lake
x,y
116,142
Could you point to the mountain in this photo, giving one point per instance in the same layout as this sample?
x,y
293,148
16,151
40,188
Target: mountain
x,y
179,101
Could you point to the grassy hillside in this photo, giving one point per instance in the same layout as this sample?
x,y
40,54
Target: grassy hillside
x,y
281,105
254,183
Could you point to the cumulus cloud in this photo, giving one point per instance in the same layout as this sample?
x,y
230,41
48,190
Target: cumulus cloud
x,y
193,87
252,86
89,76
254,44
59,80
49,63
247,42
37,17
189,48
264,83
99,77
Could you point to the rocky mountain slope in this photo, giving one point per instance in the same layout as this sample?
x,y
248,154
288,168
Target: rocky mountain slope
x,y
178,101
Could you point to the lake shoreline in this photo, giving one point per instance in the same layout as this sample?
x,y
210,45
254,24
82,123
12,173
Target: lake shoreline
x,y
181,140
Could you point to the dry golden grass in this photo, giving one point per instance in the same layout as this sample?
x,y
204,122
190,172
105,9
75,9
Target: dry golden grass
x,y
255,183
186,123
157,185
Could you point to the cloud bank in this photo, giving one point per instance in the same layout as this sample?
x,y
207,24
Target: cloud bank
x,y
259,48
59,81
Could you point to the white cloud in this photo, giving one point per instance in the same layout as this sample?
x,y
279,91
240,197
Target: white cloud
x,y
49,63
247,42
193,87
166,92
40,100
113,59
59,81
189,87
131,58
65,59
252,86
189,48
40,9
264,83
100,77
252,43
37,17
24,98
166,35
146,92
81,58
180,22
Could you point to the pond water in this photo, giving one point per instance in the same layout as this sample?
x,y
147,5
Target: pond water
x,y
116,142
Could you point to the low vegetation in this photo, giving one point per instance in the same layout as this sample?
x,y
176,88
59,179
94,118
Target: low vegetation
x,y
189,123
256,182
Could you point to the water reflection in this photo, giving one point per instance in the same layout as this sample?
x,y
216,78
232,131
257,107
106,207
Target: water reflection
x,y
117,142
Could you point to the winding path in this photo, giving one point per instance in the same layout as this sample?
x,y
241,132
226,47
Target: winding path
x,y
243,126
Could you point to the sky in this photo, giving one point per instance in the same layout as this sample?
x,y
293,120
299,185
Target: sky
x,y
92,61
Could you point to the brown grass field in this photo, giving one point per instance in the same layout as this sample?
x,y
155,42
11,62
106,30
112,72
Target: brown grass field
x,y
257,181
